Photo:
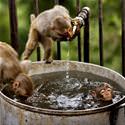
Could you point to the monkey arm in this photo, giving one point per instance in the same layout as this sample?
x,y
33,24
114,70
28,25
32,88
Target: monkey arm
x,y
78,22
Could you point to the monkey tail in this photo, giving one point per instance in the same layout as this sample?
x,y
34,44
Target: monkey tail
x,y
32,17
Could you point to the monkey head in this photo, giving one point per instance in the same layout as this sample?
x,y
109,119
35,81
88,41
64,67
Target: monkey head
x,y
61,28
22,85
103,92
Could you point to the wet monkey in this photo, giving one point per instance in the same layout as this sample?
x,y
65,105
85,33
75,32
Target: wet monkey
x,y
22,85
104,92
50,25
10,69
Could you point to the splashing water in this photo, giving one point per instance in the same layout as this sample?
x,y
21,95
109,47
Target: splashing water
x,y
67,64
54,92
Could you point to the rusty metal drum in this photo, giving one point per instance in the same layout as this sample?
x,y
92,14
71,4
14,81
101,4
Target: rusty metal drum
x,y
15,113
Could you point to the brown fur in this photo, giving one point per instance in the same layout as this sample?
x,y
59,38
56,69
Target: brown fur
x,y
20,88
11,69
9,63
52,24
103,92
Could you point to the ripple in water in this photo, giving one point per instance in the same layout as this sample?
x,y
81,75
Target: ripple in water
x,y
71,95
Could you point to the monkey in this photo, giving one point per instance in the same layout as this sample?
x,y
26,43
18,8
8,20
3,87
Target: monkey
x,y
22,85
10,69
103,92
50,25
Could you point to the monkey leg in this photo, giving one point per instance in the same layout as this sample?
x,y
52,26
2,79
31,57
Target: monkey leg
x,y
47,46
31,43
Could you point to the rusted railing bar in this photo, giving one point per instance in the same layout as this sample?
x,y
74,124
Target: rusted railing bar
x,y
100,18
86,39
58,42
13,25
123,37
79,35
36,3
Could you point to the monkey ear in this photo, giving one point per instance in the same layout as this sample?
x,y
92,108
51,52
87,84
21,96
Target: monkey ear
x,y
16,84
93,93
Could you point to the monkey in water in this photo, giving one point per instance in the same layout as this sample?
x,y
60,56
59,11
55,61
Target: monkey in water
x,y
103,92
11,70
50,25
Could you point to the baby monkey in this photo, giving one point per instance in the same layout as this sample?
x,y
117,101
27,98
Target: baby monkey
x,y
50,25
11,70
103,92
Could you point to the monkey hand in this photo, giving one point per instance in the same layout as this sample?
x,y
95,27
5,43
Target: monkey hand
x,y
75,25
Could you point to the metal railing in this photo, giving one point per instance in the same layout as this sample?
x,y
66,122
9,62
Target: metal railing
x,y
14,32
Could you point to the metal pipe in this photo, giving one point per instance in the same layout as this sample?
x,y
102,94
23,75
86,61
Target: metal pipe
x,y
82,20
13,25
85,16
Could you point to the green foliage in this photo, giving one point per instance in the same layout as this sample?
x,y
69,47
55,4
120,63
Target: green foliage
x,y
111,28
4,23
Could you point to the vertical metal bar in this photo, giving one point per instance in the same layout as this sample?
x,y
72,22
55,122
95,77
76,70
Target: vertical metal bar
x,y
100,32
79,35
58,50
13,25
56,1
36,7
123,37
36,2
86,39
58,42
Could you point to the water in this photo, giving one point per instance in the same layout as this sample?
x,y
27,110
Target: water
x,y
67,63
71,95
53,91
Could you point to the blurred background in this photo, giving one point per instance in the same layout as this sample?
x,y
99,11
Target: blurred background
x,y
111,28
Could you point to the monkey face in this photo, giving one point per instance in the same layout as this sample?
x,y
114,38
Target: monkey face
x,y
106,94
68,33
19,90
61,28
58,34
